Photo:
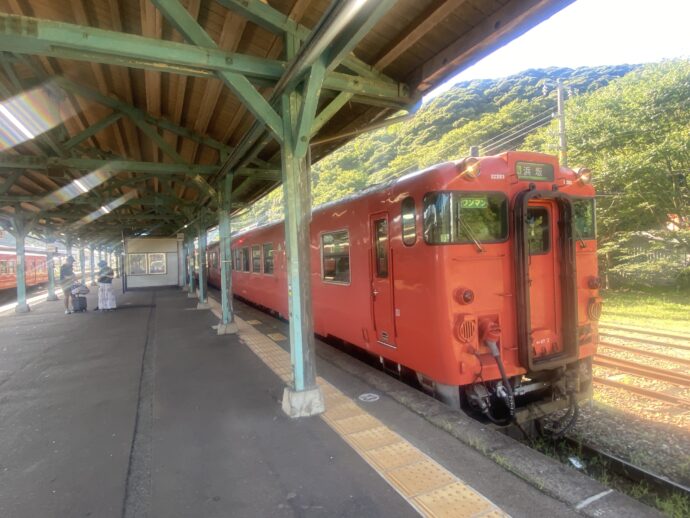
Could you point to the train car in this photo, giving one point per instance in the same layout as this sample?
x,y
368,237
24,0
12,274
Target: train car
x,y
478,276
36,271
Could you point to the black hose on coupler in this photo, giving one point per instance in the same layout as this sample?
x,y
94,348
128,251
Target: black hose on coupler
x,y
493,347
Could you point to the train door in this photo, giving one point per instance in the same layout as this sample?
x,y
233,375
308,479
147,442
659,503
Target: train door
x,y
381,280
544,278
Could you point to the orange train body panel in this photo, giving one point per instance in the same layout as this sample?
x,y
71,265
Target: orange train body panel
x,y
36,269
404,302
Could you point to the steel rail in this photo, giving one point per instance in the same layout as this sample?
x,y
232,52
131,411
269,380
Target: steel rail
x,y
642,370
643,392
627,470
645,331
645,341
636,350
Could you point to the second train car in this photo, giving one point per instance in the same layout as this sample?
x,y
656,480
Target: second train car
x,y
477,276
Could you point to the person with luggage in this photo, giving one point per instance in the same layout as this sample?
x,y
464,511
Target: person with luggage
x,y
106,295
67,278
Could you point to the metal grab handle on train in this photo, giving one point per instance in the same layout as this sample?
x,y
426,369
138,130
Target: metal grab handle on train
x,y
375,292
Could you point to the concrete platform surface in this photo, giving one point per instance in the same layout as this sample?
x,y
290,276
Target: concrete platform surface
x,y
147,411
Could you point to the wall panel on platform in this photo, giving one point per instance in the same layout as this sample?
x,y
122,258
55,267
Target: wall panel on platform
x,y
152,262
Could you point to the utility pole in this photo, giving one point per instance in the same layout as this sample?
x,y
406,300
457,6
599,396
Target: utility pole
x,y
562,140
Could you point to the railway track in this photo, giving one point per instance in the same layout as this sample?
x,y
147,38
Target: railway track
x,y
630,329
644,368
660,485
648,341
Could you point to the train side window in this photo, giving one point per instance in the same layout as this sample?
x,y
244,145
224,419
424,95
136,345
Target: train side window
x,y
3,267
538,230
256,258
584,220
268,258
381,247
335,256
245,259
409,225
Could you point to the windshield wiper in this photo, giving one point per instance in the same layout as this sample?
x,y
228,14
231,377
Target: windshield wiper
x,y
470,234
578,236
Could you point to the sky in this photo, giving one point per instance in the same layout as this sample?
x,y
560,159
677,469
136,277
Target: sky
x,y
592,33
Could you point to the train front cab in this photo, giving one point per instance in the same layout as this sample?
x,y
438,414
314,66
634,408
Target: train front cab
x,y
521,285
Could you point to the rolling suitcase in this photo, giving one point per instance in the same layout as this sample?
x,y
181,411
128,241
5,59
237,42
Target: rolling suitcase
x,y
78,303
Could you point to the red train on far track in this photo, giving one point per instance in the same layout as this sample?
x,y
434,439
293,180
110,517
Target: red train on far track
x,y
477,277
36,269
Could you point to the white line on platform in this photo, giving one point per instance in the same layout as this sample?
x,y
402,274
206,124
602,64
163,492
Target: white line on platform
x,y
591,499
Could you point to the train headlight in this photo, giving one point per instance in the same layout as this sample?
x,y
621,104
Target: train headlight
x,y
468,168
584,175
464,296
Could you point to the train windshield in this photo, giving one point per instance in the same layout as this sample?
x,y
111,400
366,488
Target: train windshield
x,y
584,218
465,217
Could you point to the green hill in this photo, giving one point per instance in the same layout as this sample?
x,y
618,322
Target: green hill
x,y
494,114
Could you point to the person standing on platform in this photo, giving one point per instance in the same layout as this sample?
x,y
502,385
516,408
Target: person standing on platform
x,y
106,295
66,281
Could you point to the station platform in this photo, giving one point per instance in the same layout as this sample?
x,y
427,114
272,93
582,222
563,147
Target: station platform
x,y
146,411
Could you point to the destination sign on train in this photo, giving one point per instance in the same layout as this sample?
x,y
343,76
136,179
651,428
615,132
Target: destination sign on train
x,y
534,171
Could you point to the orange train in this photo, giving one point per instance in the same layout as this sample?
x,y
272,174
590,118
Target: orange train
x,y
36,269
477,277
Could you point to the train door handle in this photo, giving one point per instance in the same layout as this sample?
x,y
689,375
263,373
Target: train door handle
x,y
375,292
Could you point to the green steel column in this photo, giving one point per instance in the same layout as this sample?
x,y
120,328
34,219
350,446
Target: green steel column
x,y
92,264
203,300
227,322
21,228
68,246
297,200
185,259
50,265
82,264
190,266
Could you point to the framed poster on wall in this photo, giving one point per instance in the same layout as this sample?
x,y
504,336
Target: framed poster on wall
x,y
136,264
157,264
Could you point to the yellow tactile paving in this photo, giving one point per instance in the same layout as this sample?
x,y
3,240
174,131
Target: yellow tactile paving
x,y
454,500
354,424
278,337
371,439
393,455
431,489
420,477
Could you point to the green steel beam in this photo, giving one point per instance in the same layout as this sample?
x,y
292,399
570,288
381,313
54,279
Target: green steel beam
x,y
92,130
329,111
25,35
274,21
10,181
91,164
347,40
266,16
137,114
187,25
310,101
257,173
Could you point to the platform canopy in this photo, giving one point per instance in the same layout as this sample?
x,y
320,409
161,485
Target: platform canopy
x,y
126,115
